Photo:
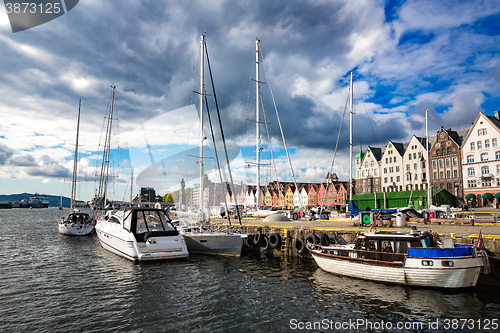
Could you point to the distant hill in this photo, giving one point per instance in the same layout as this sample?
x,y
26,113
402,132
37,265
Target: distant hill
x,y
54,200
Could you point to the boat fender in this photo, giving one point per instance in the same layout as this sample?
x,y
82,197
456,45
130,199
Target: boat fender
x,y
312,238
325,240
265,243
301,214
299,246
257,238
274,240
249,240
295,215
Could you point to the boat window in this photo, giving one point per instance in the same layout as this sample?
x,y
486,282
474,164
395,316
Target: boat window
x,y
372,245
360,244
141,223
427,263
114,220
447,263
150,221
402,246
387,246
426,242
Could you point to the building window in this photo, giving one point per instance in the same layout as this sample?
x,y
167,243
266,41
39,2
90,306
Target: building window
x,y
392,179
497,155
434,164
498,169
455,161
441,175
369,173
438,152
375,172
448,174
414,166
390,159
479,145
484,157
493,143
481,131
416,177
455,173
419,154
471,183
414,156
385,179
423,165
471,171
364,181
485,170
391,169
449,150
472,146
385,170
440,163
363,173
398,179
394,159
423,176
408,176
486,183
470,159
386,160
447,162
409,156
397,168
443,151
408,167
366,164
376,181
435,175
486,143
376,189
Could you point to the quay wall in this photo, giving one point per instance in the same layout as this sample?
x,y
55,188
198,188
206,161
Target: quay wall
x,y
290,232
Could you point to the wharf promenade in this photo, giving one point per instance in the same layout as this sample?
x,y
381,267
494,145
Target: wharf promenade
x,y
290,231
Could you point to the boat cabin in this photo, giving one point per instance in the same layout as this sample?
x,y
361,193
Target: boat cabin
x,y
145,223
78,218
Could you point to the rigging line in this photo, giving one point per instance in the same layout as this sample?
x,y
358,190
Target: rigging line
x,y
222,134
271,150
366,111
334,155
277,115
217,159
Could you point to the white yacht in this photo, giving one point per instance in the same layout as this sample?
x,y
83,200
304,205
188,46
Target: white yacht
x,y
140,234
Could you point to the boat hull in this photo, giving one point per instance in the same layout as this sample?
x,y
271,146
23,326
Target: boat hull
x,y
75,229
214,243
124,244
465,272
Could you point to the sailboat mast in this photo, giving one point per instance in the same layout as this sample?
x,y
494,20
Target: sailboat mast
x,y
350,139
202,92
429,190
257,119
75,161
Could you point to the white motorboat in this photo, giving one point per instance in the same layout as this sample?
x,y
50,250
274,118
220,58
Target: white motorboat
x,y
201,239
140,234
76,223
411,259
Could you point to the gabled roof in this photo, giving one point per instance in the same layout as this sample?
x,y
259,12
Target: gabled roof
x,y
376,152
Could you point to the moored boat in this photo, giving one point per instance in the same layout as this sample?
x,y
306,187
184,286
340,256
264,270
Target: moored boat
x,y
140,234
75,223
411,259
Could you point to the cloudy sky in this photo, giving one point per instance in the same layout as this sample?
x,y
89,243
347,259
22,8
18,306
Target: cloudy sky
x,y
407,56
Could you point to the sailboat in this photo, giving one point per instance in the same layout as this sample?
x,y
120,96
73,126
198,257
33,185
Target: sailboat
x,y
76,223
200,239
137,234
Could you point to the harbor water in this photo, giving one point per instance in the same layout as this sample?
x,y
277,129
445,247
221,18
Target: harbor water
x,y
55,283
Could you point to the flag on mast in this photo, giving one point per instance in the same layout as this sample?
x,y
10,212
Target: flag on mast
x,y
479,241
